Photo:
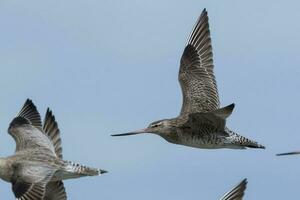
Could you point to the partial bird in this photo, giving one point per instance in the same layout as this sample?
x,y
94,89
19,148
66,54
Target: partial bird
x,y
37,168
237,192
201,122
288,153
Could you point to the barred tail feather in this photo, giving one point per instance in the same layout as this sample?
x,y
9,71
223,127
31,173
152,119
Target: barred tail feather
x,y
242,141
245,142
249,143
256,146
82,170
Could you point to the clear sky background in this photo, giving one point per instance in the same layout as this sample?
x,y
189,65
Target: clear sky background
x,y
108,67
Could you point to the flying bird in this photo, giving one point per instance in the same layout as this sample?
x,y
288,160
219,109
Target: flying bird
x,y
37,168
237,192
201,122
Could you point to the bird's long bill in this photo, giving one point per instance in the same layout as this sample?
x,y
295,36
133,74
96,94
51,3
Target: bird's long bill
x,y
132,132
288,153
101,171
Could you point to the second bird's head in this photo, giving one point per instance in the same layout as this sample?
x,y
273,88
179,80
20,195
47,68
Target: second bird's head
x,y
159,127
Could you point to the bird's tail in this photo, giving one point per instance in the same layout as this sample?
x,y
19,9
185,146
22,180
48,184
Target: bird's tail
x,y
82,170
243,142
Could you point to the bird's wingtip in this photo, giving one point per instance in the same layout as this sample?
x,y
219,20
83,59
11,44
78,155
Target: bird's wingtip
x,y
204,11
245,181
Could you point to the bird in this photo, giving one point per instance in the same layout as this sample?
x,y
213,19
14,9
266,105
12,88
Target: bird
x,y
37,169
237,192
201,122
288,153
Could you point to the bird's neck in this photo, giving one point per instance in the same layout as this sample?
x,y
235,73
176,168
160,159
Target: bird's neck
x,y
5,169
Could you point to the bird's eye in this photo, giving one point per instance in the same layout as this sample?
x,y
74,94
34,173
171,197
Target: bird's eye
x,y
155,125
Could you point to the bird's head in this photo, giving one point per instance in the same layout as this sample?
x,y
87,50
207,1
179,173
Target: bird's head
x,y
157,127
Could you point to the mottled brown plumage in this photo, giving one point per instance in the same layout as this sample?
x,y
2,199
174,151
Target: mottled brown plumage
x,y
201,123
196,76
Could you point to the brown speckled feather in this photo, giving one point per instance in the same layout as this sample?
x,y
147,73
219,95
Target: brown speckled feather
x,y
196,75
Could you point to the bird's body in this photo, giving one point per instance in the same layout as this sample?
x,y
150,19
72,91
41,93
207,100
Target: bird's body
x,y
201,123
183,130
217,140
37,168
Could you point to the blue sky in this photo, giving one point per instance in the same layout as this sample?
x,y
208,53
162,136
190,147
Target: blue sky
x,y
107,67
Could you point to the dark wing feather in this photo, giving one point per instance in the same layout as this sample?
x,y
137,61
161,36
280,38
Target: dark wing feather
x,y
28,115
29,183
237,192
26,129
29,191
51,129
196,75
55,191
20,188
34,191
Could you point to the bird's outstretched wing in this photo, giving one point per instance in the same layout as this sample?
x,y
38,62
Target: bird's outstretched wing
x,y
26,129
30,183
196,75
237,192
51,129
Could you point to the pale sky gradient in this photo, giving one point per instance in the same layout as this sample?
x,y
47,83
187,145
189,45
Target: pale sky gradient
x,y
110,66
